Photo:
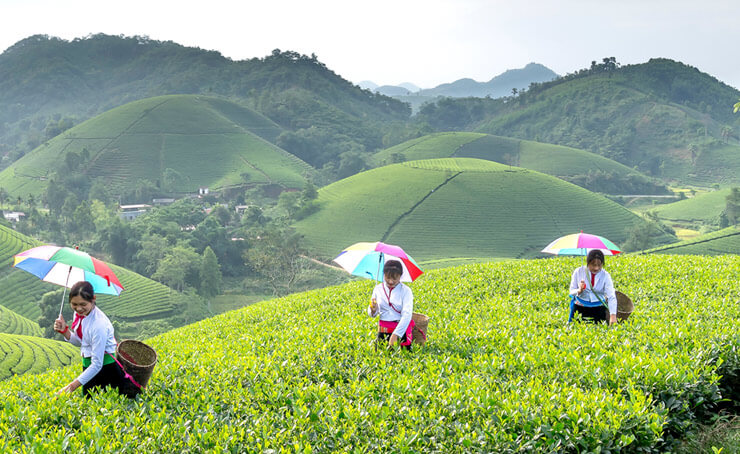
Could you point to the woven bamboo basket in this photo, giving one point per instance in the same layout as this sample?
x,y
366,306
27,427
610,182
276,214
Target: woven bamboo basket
x,y
421,324
624,306
138,359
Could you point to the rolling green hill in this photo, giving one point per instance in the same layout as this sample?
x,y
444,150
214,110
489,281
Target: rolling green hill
x,y
722,242
141,298
179,143
21,354
457,208
501,372
704,208
585,169
12,323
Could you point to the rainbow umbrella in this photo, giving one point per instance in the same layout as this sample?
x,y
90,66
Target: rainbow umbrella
x,y
66,266
367,260
580,244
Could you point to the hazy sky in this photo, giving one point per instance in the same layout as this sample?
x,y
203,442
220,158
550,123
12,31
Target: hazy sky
x,y
425,42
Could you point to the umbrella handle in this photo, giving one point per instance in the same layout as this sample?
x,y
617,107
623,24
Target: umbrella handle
x,y
64,294
377,275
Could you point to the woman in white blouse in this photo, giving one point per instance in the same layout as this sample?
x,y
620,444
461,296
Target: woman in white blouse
x,y
393,302
592,289
93,333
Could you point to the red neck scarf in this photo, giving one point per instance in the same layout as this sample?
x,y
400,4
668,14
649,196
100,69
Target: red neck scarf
x,y
593,277
78,320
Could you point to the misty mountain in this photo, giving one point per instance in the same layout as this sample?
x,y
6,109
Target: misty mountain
x,y
497,87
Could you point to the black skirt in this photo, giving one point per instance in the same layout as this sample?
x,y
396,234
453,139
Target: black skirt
x,y
595,314
111,375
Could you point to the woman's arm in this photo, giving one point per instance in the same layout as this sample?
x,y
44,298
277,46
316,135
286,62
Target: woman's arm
x,y
406,312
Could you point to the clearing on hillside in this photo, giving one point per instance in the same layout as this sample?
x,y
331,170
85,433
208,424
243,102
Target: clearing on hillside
x,y
457,208
178,142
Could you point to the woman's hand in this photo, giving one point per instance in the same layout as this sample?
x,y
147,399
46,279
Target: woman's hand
x,y
374,305
581,287
392,341
70,387
60,326
612,319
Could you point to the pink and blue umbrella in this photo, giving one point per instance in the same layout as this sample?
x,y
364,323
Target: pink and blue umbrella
x,y
367,260
66,266
581,244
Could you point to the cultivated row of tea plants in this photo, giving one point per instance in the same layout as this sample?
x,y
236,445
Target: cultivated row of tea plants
x,y
502,371
12,323
20,354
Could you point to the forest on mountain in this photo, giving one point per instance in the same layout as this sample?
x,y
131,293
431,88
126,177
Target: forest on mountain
x,y
49,84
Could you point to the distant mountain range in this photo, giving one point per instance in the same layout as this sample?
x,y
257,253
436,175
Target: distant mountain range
x,y
500,86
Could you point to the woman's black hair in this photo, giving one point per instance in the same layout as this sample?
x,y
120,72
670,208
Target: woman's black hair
x,y
594,254
393,267
84,289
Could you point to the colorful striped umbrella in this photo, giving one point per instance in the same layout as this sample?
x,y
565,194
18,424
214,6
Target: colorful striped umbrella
x,y
66,266
580,244
367,260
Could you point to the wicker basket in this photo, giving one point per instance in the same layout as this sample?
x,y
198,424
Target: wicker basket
x,y
421,323
138,359
624,306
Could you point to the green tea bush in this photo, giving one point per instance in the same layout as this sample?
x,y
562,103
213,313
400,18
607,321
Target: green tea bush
x,y
502,371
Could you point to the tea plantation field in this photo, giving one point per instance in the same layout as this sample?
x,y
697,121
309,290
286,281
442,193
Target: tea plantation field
x,y
502,371
459,208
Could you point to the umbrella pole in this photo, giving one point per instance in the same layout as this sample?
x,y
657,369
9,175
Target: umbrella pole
x,y
380,259
64,294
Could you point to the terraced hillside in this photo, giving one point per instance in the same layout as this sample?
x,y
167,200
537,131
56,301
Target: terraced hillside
x,y
721,242
559,161
142,296
456,208
30,354
178,142
12,323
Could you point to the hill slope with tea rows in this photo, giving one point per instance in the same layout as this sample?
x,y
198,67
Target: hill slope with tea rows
x,y
180,141
568,163
722,242
502,371
462,207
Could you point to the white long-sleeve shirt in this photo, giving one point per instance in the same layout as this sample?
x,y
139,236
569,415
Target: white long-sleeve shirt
x,y
400,309
603,285
97,339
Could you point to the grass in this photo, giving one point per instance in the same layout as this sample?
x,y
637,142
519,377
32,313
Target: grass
x,y
458,208
208,141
